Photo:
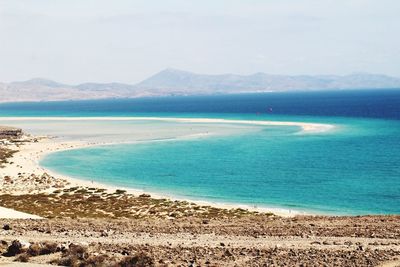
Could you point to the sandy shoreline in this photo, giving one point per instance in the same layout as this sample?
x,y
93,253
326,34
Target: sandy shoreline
x,y
306,126
30,154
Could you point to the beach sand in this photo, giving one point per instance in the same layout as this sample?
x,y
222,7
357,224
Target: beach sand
x,y
13,214
306,126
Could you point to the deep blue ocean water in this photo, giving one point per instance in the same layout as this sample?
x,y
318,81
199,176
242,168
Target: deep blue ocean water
x,y
348,103
354,169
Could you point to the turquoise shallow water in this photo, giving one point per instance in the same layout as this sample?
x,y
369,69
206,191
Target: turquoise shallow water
x,y
353,169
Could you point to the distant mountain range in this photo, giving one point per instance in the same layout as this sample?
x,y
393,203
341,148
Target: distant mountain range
x,y
176,82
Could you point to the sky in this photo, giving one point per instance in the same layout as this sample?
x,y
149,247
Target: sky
x,y
75,41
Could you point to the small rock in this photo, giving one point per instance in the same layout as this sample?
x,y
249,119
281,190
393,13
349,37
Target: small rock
x,y
104,234
348,243
228,253
14,249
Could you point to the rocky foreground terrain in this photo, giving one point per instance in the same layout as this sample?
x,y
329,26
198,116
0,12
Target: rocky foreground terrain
x,y
91,226
243,241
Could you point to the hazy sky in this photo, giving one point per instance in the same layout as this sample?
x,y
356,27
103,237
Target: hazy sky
x,y
74,41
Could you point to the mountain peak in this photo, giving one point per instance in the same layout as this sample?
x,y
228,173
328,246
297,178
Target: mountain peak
x,y
167,78
177,80
173,71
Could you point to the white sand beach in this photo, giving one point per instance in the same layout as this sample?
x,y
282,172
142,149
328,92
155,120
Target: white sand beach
x,y
13,214
306,126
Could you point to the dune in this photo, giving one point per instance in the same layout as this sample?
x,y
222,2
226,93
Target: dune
x,y
13,214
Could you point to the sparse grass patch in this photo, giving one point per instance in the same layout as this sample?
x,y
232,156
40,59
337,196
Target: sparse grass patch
x,y
80,202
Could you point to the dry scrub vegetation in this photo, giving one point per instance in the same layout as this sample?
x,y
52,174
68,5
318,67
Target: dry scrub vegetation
x,y
84,202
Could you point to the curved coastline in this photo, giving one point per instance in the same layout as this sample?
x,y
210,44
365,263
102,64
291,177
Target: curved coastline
x,y
306,126
31,155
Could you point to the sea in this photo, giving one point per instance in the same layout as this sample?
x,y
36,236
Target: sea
x,y
351,169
